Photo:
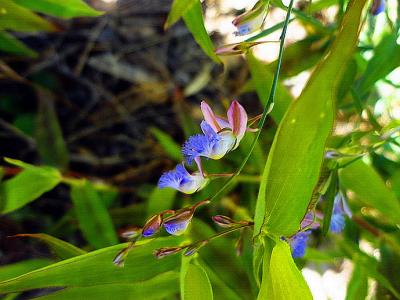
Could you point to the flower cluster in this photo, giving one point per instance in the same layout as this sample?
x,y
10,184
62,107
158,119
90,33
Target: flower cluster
x,y
298,242
220,136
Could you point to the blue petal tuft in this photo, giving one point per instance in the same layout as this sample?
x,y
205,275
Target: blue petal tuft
x,y
298,243
337,223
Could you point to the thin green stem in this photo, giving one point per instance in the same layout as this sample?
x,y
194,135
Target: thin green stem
x,y
267,105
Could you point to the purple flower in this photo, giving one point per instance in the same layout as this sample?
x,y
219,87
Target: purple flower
x,y
340,208
219,135
298,243
181,180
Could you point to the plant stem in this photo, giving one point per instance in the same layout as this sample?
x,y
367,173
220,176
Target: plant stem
x,y
267,105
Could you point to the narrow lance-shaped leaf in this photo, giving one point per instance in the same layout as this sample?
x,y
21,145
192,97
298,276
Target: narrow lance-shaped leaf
x,y
62,9
193,18
93,217
179,7
295,158
370,189
284,280
163,286
96,268
49,137
22,267
26,186
59,247
10,44
18,18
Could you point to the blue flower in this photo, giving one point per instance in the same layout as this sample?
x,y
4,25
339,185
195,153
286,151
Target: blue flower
x,y
210,144
181,180
340,208
298,243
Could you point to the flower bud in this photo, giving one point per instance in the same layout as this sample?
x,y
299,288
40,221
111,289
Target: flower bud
x,y
224,221
178,223
130,233
152,226
251,20
163,252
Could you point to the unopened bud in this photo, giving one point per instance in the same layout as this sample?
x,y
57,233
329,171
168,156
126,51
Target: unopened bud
x,y
224,221
194,248
162,252
152,226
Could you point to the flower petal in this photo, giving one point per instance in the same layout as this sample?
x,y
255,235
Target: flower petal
x,y
209,116
237,118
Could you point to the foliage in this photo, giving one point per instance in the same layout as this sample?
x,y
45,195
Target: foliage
x,y
300,190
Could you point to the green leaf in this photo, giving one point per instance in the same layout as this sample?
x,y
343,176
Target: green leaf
x,y
22,267
160,200
96,268
386,58
18,18
10,44
262,78
163,286
370,189
168,144
26,186
296,155
63,9
193,18
49,139
179,7
93,217
196,285
285,280
358,285
60,248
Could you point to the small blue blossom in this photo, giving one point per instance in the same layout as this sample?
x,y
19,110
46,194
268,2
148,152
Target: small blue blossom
x,y
298,243
210,144
340,208
181,180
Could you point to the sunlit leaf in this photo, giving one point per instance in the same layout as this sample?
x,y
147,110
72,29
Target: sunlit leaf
x,y
196,284
358,285
96,268
18,18
93,217
179,7
10,44
22,267
62,9
295,158
370,189
161,286
386,58
26,186
193,18
59,247
284,279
